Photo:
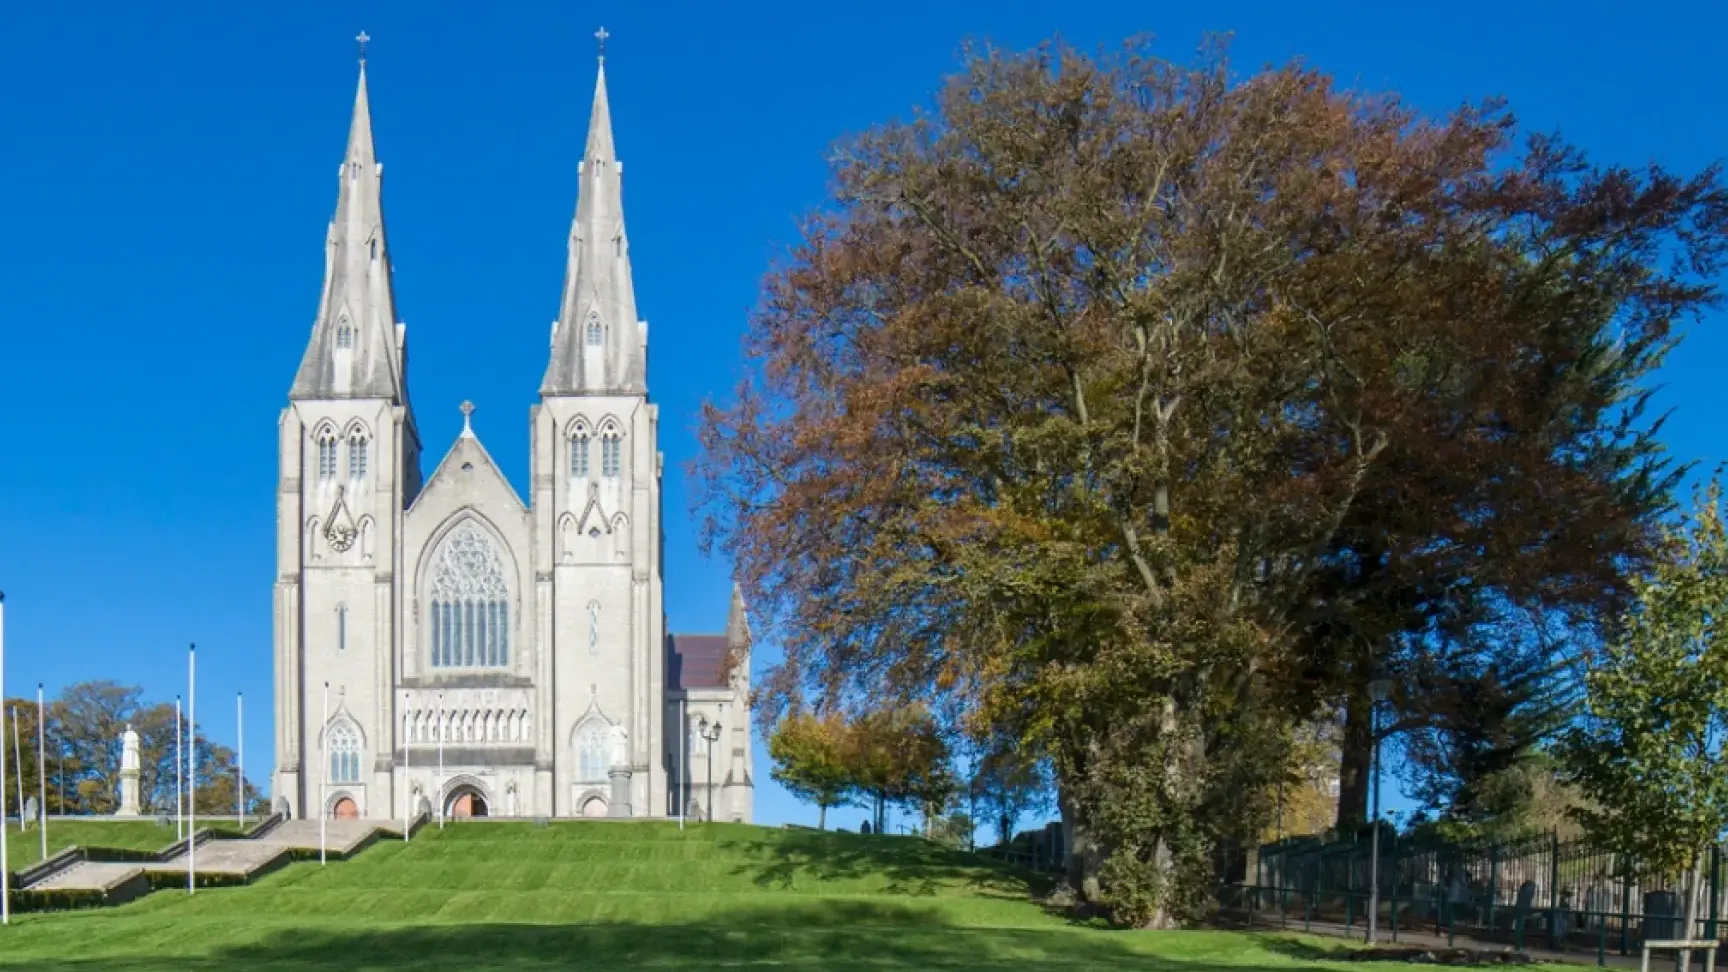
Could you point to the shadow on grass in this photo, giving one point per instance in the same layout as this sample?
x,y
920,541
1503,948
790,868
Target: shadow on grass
x,y
906,865
831,936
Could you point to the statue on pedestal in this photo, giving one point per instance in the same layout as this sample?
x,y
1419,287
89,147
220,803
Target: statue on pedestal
x,y
128,774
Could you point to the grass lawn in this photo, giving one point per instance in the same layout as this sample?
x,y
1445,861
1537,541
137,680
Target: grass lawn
x,y
515,897
24,848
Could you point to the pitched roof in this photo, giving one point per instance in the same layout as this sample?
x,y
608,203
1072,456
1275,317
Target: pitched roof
x,y
696,661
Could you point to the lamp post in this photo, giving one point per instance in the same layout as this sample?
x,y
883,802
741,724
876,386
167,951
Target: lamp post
x,y
1379,688
710,732
407,776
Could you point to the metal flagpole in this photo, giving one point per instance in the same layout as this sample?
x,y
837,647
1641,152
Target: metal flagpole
x,y
192,768
440,760
18,757
240,760
42,765
683,761
179,775
5,868
407,777
323,773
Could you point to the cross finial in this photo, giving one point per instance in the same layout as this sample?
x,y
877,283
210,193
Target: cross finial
x,y
361,39
467,416
601,35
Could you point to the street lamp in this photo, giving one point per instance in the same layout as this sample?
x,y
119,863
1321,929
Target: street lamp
x,y
711,733
1379,689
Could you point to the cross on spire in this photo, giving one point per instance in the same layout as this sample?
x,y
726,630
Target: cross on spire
x,y
601,35
467,416
361,39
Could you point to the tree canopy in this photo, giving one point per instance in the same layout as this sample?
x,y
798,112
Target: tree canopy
x,y
1140,412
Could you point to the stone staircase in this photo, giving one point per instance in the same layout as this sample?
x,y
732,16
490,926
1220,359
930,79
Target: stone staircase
x,y
84,875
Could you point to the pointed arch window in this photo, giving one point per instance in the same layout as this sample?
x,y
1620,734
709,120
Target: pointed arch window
x,y
344,336
326,455
344,746
591,752
356,456
596,333
470,617
611,453
579,454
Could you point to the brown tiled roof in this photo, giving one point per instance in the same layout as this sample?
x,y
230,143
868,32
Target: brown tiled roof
x,y
696,661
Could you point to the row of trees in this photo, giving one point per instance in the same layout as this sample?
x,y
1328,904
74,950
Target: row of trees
x,y
83,748
904,758
1145,415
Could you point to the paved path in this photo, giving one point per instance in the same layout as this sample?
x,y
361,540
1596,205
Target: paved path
x,y
88,876
1427,939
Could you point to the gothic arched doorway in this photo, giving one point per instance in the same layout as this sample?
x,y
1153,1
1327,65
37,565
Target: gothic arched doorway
x,y
467,802
345,809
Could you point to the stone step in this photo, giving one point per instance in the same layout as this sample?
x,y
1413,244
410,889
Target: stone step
x,y
87,876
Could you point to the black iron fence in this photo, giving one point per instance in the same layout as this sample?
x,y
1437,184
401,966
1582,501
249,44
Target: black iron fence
x,y
1539,892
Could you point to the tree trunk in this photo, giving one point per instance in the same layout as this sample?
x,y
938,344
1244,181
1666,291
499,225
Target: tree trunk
x,y
1691,910
1355,764
821,816
1080,851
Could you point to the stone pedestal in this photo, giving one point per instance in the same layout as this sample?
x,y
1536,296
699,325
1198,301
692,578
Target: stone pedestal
x,y
620,803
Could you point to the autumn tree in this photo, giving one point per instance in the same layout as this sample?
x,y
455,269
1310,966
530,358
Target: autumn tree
x,y
1138,410
899,757
1649,750
810,754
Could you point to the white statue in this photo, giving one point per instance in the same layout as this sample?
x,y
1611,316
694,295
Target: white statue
x,y
128,774
129,749
620,746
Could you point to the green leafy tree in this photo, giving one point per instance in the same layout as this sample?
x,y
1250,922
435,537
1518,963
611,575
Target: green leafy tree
x,y
810,757
1648,752
1010,782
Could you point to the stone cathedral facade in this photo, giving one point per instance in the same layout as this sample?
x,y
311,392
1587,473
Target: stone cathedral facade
x,y
524,638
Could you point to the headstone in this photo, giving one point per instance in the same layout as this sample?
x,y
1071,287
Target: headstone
x,y
31,810
128,774
865,829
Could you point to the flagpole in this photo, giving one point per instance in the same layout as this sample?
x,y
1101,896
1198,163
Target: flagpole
x,y
18,757
179,774
42,765
683,761
323,774
440,760
240,760
192,769
407,784
5,867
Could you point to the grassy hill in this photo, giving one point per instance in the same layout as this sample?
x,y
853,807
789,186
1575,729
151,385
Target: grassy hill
x,y
516,897
24,848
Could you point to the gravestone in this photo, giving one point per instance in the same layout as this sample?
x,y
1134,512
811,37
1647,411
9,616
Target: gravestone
x,y
32,811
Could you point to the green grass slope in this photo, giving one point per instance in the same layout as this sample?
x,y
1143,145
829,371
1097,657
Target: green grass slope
x,y
24,847
515,897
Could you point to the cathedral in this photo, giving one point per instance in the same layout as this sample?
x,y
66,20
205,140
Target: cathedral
x,y
443,646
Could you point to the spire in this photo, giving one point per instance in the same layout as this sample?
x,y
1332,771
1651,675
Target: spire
x,y
598,345
355,350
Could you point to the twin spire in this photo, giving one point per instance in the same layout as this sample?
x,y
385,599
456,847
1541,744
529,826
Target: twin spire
x,y
356,349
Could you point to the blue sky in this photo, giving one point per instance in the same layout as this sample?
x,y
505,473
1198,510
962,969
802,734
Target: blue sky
x,y
169,170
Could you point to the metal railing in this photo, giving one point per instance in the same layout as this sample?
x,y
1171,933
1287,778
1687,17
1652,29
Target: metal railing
x,y
1537,892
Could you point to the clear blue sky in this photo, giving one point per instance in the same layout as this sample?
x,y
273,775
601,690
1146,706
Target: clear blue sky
x,y
168,171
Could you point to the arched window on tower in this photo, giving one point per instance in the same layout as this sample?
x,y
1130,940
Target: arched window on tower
x,y
470,618
344,336
579,454
591,752
596,333
326,455
611,453
356,456
344,745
